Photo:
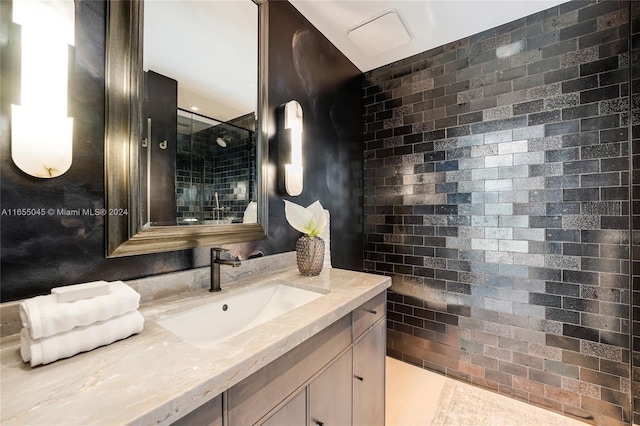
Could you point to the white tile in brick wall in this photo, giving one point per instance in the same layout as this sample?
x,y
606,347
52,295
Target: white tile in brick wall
x,y
498,257
499,160
498,209
483,151
514,246
528,132
514,171
528,158
529,182
471,209
484,220
514,197
528,259
484,244
512,147
482,174
499,233
532,234
500,136
476,186
513,270
498,185
498,305
471,163
515,221
485,197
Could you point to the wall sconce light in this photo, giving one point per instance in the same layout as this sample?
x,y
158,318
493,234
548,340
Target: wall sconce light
x,y
290,148
41,131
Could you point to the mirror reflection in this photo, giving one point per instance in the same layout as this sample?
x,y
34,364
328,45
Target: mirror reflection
x,y
198,152
215,173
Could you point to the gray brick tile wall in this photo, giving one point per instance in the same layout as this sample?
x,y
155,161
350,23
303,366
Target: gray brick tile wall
x,y
497,195
614,308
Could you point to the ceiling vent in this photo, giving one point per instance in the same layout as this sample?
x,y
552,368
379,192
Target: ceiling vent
x,y
380,33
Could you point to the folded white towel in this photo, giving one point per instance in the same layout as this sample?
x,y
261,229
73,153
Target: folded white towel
x,y
45,317
250,213
71,293
80,339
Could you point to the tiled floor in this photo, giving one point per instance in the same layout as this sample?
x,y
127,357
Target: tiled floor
x,y
412,393
419,397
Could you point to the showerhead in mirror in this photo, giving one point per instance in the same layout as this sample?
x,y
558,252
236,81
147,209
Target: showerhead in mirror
x,y
222,141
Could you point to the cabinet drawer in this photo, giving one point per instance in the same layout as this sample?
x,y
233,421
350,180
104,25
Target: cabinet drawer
x,y
368,313
252,398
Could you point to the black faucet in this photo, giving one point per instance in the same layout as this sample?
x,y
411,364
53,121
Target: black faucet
x,y
215,266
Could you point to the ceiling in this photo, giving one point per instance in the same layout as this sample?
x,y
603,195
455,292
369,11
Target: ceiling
x,y
181,39
431,23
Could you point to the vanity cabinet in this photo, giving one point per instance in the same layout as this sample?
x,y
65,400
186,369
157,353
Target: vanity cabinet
x,y
351,389
257,396
337,377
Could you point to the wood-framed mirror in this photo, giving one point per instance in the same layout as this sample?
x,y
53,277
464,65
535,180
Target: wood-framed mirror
x,y
128,230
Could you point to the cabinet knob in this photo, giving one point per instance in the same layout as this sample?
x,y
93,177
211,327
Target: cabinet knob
x,y
319,423
360,378
373,312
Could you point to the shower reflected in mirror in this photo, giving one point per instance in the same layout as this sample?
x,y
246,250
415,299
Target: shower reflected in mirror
x,y
215,172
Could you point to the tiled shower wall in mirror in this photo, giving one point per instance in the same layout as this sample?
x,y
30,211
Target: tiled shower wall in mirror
x,y
215,168
497,196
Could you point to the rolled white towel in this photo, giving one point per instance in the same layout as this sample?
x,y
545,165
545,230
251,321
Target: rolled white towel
x,y
44,317
80,339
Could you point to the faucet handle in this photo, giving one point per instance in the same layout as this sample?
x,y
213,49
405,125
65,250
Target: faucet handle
x,y
215,252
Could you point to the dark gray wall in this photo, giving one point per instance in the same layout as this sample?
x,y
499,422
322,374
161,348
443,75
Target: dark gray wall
x,y
497,197
41,252
161,104
305,66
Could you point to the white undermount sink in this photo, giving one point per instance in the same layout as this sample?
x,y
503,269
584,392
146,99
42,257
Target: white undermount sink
x,y
229,315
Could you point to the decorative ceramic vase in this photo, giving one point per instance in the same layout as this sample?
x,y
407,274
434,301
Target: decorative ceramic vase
x,y
310,255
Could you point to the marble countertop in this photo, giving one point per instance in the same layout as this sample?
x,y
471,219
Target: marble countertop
x,y
155,377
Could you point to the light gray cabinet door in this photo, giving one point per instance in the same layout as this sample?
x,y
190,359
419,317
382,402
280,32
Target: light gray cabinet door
x,y
368,377
330,394
293,413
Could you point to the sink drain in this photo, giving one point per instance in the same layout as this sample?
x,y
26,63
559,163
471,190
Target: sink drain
x,y
225,307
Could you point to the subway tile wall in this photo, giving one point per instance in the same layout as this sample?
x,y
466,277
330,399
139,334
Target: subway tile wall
x,y
203,168
635,208
497,197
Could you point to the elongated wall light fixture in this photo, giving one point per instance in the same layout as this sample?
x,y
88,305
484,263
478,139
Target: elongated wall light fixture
x,y
41,131
290,148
